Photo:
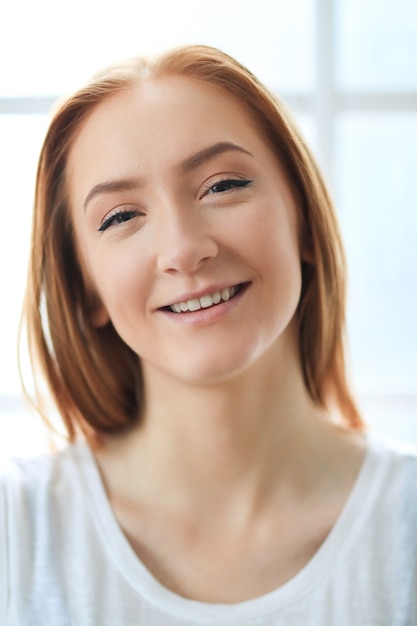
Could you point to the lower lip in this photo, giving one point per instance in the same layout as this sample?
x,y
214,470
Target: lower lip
x,y
208,315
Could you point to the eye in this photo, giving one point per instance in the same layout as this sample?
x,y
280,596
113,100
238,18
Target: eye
x,y
117,217
221,186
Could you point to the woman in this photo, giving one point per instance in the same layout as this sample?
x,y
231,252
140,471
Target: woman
x,y
185,305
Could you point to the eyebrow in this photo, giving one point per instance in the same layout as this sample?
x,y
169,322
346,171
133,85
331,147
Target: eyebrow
x,y
189,164
200,157
112,186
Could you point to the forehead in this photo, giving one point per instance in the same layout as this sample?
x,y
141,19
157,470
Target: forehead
x,y
146,130
158,113
161,103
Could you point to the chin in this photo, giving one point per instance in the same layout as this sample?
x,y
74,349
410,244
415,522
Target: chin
x,y
204,371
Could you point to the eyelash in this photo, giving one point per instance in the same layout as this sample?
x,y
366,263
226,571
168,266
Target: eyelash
x,y
228,184
118,216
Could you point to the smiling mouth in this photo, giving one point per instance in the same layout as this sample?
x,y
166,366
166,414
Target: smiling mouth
x,y
206,301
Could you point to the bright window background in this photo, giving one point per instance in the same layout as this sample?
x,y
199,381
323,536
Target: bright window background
x,y
348,71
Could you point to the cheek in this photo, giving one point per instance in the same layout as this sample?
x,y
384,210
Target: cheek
x,y
279,261
119,284
272,235
117,280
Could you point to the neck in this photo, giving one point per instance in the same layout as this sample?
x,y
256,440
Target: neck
x,y
238,436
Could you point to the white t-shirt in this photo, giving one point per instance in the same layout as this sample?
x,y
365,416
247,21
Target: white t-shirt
x,y
64,561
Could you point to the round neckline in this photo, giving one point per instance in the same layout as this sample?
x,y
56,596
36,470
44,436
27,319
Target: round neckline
x,y
314,573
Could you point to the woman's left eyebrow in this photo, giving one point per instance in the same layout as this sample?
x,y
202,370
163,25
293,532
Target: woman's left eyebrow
x,y
205,154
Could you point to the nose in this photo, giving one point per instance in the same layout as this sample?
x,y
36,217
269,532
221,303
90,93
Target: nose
x,y
183,242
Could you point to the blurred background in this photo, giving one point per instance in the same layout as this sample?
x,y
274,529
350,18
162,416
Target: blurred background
x,y
347,69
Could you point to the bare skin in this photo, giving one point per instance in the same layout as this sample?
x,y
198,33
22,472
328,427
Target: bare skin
x,y
234,478
222,505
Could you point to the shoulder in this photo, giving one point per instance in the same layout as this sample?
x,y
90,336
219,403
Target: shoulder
x,y
44,487
394,463
400,459
32,486
391,528
37,492
383,504
28,478
41,499
392,489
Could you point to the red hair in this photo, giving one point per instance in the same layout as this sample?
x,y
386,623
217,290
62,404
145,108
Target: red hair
x,y
77,359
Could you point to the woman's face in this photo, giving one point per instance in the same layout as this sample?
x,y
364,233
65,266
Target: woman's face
x,y
187,229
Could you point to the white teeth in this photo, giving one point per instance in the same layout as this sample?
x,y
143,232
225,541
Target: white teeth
x,y
225,294
205,301
194,305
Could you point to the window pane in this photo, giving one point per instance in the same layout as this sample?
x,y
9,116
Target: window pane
x,y
273,37
377,189
307,126
20,141
376,44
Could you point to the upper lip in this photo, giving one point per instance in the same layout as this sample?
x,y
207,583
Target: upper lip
x,y
196,295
